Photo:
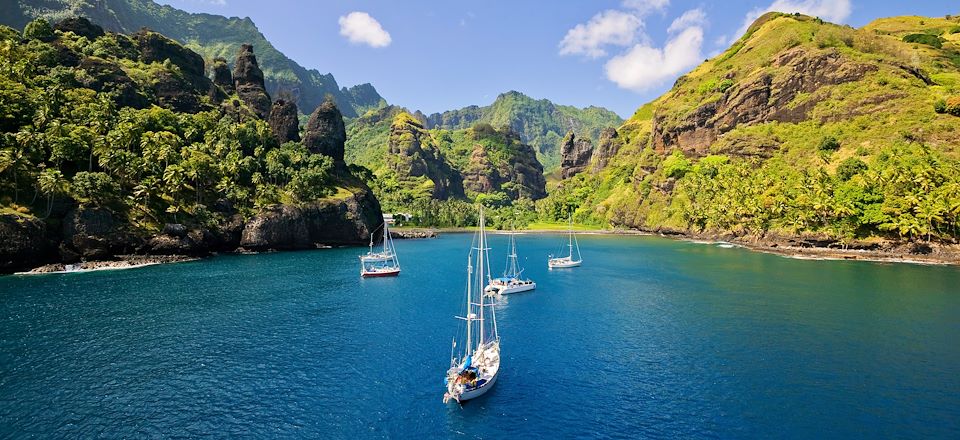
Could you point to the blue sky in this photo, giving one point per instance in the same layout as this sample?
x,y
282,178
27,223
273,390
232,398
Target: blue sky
x,y
442,55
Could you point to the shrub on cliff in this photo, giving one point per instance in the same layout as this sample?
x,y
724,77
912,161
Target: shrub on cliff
x,y
928,39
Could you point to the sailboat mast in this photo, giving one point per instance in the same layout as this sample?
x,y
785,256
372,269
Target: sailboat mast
x,y
469,300
483,247
570,238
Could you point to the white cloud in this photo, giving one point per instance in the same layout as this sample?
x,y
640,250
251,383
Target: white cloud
x,y
830,10
644,67
361,28
644,7
606,28
691,18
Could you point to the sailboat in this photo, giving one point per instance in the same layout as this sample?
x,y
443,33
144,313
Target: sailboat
x,y
568,261
475,363
511,281
381,263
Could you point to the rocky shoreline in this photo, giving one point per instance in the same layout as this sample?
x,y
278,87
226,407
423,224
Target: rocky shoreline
x,y
801,247
123,262
412,233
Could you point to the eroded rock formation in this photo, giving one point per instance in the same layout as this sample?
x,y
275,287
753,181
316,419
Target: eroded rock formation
x,y
607,147
411,154
248,82
574,155
757,99
325,133
284,121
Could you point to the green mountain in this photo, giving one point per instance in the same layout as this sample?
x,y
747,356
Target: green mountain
x,y
211,36
803,128
114,144
411,163
540,123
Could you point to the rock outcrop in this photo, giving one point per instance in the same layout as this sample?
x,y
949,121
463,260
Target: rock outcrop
x,y
518,173
248,82
757,99
80,26
285,123
324,223
574,155
480,175
325,133
24,243
607,147
106,76
156,48
95,234
411,154
363,97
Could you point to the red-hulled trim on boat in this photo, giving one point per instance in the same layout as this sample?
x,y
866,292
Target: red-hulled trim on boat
x,y
392,273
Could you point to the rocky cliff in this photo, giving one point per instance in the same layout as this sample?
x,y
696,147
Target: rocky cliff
x,y
248,82
174,181
607,148
325,132
762,97
210,35
413,156
540,123
284,121
575,155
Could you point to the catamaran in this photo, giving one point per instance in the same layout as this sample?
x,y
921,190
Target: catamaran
x,y
382,263
568,261
475,363
511,281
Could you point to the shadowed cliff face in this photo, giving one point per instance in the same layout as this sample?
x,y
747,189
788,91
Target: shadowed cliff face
x,y
325,133
760,98
608,146
575,155
284,122
518,174
248,81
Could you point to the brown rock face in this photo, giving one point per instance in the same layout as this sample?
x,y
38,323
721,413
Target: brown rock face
x,y
575,155
80,26
23,243
284,122
156,48
248,81
325,132
346,222
480,175
608,146
761,98
222,80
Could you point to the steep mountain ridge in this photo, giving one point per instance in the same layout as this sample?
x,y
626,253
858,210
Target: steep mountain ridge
x,y
540,123
801,128
211,36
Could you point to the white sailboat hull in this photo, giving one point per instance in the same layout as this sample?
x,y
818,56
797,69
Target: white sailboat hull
x,y
481,390
506,290
563,264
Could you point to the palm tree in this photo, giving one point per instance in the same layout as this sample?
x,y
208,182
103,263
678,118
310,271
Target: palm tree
x,y
51,182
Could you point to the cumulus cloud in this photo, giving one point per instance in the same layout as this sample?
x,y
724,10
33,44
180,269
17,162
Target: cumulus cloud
x,y
830,10
646,6
644,67
606,28
361,28
691,18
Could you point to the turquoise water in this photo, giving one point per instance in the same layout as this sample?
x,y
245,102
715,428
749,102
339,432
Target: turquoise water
x,y
650,338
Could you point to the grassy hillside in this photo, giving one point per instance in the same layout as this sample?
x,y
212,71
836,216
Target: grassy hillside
x,y
801,127
540,123
209,35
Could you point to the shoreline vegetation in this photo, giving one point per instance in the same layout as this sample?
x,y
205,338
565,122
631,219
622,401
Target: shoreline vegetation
x,y
785,246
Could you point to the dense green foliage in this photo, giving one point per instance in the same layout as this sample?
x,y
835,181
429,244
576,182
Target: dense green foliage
x,y
929,40
60,140
873,157
540,123
209,35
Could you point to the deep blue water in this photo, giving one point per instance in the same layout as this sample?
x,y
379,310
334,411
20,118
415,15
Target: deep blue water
x,y
651,338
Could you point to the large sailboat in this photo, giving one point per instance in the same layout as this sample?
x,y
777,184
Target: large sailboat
x,y
382,263
512,280
475,362
567,261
